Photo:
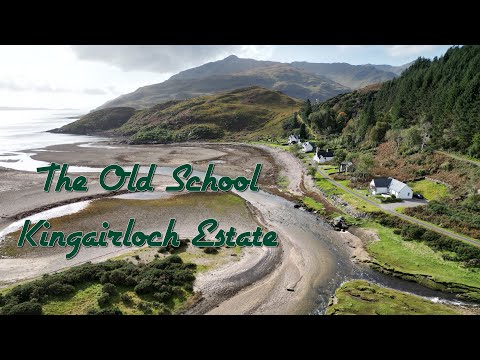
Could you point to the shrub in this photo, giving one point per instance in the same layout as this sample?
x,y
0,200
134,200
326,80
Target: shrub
x,y
311,171
58,289
397,231
24,308
130,281
109,311
137,257
210,250
446,166
162,296
104,299
109,289
126,298
163,310
2,300
118,277
412,232
144,287
145,307
104,278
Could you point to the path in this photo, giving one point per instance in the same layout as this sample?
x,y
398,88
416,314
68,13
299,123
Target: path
x,y
422,223
458,157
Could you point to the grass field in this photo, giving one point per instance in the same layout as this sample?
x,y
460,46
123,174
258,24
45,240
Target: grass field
x,y
312,204
429,189
417,258
362,298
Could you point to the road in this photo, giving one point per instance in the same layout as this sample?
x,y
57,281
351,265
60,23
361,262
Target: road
x,y
413,220
457,157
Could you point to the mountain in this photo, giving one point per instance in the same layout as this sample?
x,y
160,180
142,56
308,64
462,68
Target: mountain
x,y
293,82
247,113
437,101
352,76
393,69
96,121
229,65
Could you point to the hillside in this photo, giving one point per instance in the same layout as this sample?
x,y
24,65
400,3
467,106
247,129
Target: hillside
x,y
394,69
352,76
293,82
251,113
230,65
247,113
434,102
97,121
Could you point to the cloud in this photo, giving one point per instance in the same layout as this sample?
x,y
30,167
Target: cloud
x,y
94,91
10,85
165,59
408,50
349,47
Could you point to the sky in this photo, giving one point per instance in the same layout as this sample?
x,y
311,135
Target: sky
x,y
86,76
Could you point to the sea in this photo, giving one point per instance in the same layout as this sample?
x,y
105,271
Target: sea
x,y
22,130
26,129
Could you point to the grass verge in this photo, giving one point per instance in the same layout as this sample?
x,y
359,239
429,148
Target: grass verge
x,y
362,298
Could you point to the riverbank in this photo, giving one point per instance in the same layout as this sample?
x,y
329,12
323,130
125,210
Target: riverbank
x,y
293,272
363,298
297,278
388,253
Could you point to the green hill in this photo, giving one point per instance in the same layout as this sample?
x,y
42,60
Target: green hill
x,y
97,121
248,113
252,112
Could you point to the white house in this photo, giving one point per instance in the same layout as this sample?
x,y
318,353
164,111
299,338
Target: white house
x,y
391,186
307,147
322,156
293,139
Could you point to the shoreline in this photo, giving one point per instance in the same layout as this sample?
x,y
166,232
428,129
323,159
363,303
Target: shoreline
x,y
245,275
286,280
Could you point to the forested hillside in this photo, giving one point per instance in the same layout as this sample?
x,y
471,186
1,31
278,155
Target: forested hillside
x,y
434,103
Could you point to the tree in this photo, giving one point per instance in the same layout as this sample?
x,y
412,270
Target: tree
x,y
474,149
396,137
308,109
303,131
425,128
412,139
364,166
340,156
377,133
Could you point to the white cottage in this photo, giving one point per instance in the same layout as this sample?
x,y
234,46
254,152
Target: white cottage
x,y
391,186
293,139
307,147
322,156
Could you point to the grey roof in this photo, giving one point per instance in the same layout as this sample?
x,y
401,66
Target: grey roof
x,y
391,183
324,153
382,182
396,185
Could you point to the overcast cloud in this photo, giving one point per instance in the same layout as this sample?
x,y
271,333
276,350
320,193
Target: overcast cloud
x,y
85,77
165,58
11,85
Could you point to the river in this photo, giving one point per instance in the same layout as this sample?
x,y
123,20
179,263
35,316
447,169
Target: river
x,y
325,262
